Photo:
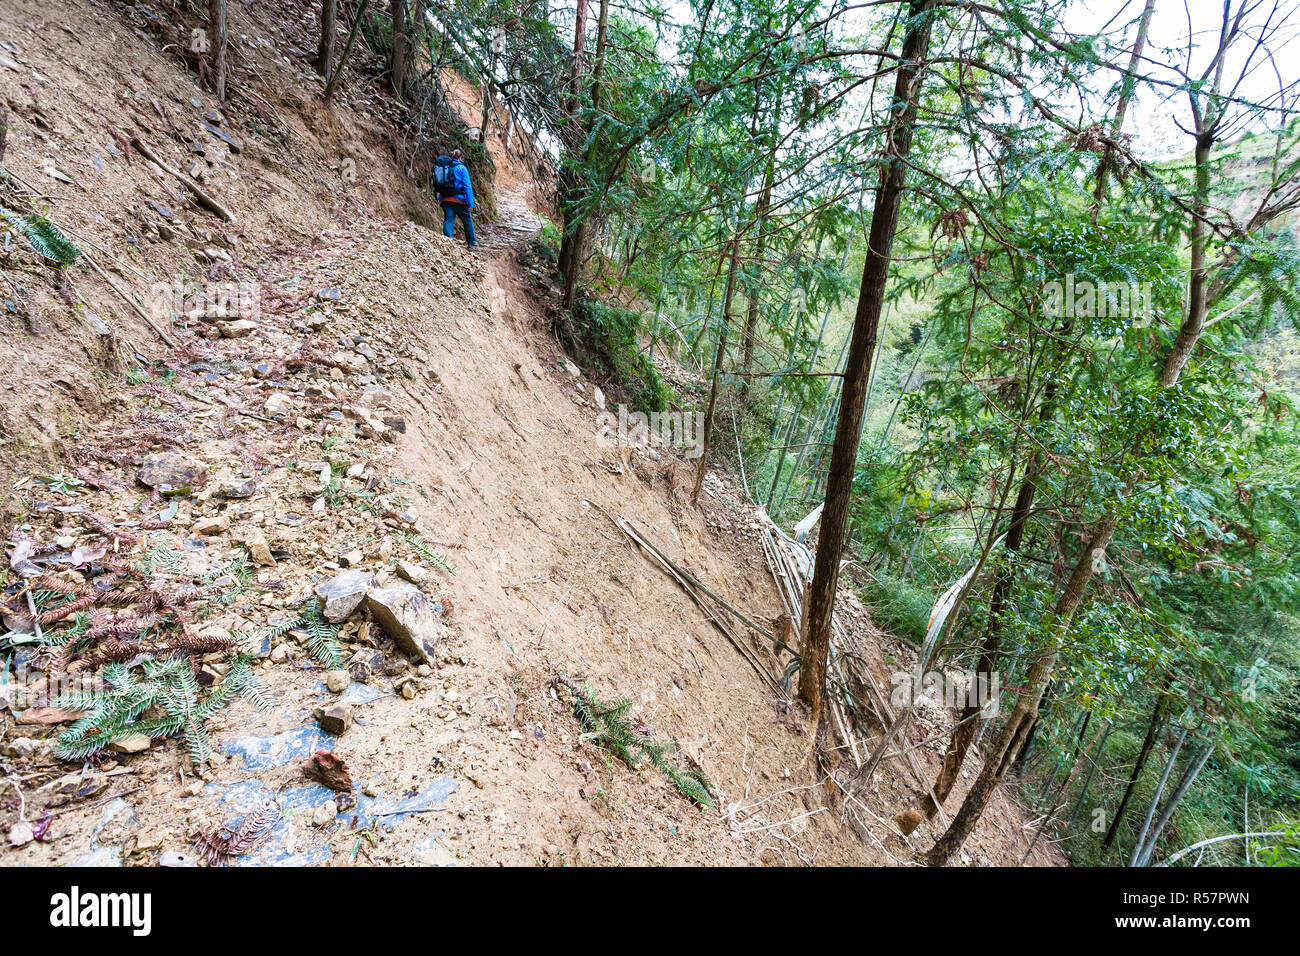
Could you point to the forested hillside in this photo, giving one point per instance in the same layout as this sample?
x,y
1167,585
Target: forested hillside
x,y
1122,480
864,433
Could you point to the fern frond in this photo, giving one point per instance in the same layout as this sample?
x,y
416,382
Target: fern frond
x,y
322,637
43,236
420,547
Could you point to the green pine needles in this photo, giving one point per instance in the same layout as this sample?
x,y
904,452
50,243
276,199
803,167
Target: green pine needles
x,y
611,728
162,700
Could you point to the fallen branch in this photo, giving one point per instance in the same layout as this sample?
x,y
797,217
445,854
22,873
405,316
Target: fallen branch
x,y
204,199
135,306
697,592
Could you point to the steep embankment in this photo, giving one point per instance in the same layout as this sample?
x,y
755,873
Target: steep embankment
x,y
383,399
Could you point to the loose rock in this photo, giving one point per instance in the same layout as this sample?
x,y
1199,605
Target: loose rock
x,y
408,617
336,719
166,471
329,771
343,594
412,572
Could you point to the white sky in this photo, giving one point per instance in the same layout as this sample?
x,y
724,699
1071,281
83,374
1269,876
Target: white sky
x,y
1182,32
1154,116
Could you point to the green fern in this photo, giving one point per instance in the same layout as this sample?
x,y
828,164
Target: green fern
x,y
272,631
171,688
322,636
609,727
237,567
162,558
423,550
43,236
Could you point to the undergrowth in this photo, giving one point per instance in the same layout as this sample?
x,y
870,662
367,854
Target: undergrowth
x,y
609,340
898,606
135,630
422,548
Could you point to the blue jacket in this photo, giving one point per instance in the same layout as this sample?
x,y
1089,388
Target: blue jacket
x,y
463,184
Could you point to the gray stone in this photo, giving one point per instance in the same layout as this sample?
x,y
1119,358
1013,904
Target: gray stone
x,y
343,594
238,488
408,617
258,549
277,405
365,664
258,646
167,471
131,744
325,814
236,329
412,572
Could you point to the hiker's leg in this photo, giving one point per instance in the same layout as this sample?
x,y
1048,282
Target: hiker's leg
x,y
448,222
467,218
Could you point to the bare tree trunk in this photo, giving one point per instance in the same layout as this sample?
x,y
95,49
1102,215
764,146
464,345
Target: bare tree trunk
x,y
1136,853
1190,772
990,651
401,53
333,82
1018,725
328,28
570,253
1087,781
875,276
1126,94
760,212
217,23
717,370
1139,765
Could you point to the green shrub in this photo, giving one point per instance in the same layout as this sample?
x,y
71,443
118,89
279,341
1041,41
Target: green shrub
x,y
898,606
608,339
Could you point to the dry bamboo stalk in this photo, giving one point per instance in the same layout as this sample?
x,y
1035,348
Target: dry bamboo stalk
x,y
789,575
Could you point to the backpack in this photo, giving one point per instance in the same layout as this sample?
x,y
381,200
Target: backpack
x,y
444,177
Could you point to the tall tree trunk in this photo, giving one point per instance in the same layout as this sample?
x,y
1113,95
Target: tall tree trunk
x,y
875,276
1016,730
217,23
401,53
760,213
1126,94
328,28
1190,772
1087,781
570,254
990,650
1153,729
717,369
1136,853
332,84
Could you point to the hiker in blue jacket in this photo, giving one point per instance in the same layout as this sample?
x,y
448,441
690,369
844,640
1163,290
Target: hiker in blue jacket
x,y
455,195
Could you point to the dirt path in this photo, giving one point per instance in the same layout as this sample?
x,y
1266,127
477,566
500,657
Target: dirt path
x,y
515,224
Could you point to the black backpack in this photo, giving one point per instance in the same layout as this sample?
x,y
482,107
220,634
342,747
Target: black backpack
x,y
444,177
